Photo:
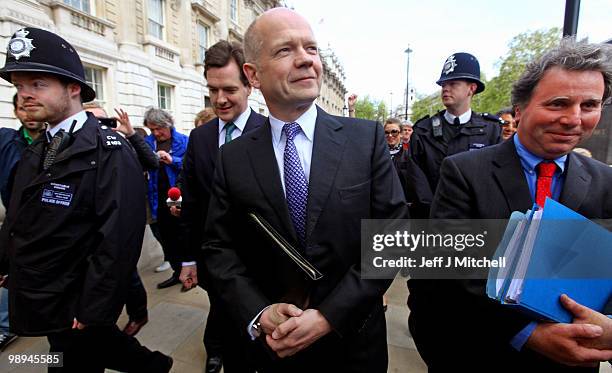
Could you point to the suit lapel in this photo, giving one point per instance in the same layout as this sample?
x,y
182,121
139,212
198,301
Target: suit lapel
x,y
251,123
576,183
327,152
265,167
212,141
511,178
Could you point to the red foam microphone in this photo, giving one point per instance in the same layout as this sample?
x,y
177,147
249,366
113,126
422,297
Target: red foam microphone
x,y
174,197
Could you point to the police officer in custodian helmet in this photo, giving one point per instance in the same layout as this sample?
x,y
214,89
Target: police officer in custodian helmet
x,y
75,222
458,128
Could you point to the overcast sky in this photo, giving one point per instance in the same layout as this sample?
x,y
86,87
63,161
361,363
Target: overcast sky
x,y
370,37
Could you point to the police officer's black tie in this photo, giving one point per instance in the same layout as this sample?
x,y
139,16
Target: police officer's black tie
x,y
457,122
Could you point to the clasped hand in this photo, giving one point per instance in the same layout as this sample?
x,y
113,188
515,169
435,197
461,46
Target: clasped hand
x,y
585,342
289,329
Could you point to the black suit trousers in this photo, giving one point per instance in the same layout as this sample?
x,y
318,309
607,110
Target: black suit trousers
x,y
98,347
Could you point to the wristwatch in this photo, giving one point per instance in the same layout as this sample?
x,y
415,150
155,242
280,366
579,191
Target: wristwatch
x,y
256,329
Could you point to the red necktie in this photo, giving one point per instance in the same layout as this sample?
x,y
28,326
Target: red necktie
x,y
546,170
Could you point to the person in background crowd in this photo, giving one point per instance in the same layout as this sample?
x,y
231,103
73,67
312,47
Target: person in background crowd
x,y
352,100
170,146
456,129
508,124
558,99
393,130
75,222
406,133
12,144
204,116
136,304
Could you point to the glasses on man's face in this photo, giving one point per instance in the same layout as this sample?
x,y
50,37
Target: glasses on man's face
x,y
505,122
392,133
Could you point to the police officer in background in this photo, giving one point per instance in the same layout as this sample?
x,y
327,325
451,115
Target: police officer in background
x,y
75,223
458,128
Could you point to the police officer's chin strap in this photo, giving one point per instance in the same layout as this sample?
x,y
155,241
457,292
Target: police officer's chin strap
x,y
60,141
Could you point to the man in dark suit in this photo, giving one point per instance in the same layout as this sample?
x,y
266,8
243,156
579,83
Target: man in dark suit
x,y
313,177
229,93
558,101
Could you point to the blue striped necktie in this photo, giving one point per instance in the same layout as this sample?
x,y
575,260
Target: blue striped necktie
x,y
296,185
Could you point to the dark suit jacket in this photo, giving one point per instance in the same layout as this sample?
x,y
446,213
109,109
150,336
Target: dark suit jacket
x,y
454,323
351,178
198,171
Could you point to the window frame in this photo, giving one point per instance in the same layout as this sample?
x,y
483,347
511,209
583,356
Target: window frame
x,y
167,97
98,79
90,5
202,49
158,23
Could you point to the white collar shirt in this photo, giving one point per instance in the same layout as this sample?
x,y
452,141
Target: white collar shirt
x,y
463,118
80,117
240,123
303,141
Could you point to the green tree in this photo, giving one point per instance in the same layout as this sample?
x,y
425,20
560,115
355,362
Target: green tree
x,y
368,108
381,112
523,48
364,108
426,105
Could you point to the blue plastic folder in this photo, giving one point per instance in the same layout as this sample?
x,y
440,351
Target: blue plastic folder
x,y
564,252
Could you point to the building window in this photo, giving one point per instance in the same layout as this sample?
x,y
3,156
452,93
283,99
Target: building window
x,y
156,18
202,41
164,96
82,5
94,77
234,10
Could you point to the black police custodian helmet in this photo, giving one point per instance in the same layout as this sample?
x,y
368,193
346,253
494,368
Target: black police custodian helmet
x,y
462,66
36,50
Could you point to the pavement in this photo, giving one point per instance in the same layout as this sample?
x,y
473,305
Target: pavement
x,y
177,320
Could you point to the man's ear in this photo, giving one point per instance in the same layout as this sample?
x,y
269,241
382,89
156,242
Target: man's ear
x,y
250,70
473,88
517,113
74,89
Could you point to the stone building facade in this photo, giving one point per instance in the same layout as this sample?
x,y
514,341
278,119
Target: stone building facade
x,y
142,53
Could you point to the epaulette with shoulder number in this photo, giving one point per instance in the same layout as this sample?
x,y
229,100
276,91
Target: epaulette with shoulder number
x,y
492,118
110,139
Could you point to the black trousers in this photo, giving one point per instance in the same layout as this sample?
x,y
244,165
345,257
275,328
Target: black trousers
x,y
136,303
95,348
222,337
169,228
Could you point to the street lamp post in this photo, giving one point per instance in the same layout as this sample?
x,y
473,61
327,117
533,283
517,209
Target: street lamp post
x,y
407,51
391,105
570,22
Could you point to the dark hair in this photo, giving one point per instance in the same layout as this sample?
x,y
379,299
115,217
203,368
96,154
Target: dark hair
x,y
394,121
15,101
220,54
506,110
569,55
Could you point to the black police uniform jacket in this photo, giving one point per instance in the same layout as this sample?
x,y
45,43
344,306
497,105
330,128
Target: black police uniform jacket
x,y
73,233
428,149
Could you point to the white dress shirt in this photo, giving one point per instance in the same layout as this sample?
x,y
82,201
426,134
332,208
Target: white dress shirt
x,y
239,122
80,117
303,141
463,118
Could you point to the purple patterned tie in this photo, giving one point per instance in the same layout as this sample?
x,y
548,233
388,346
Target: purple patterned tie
x,y
296,185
